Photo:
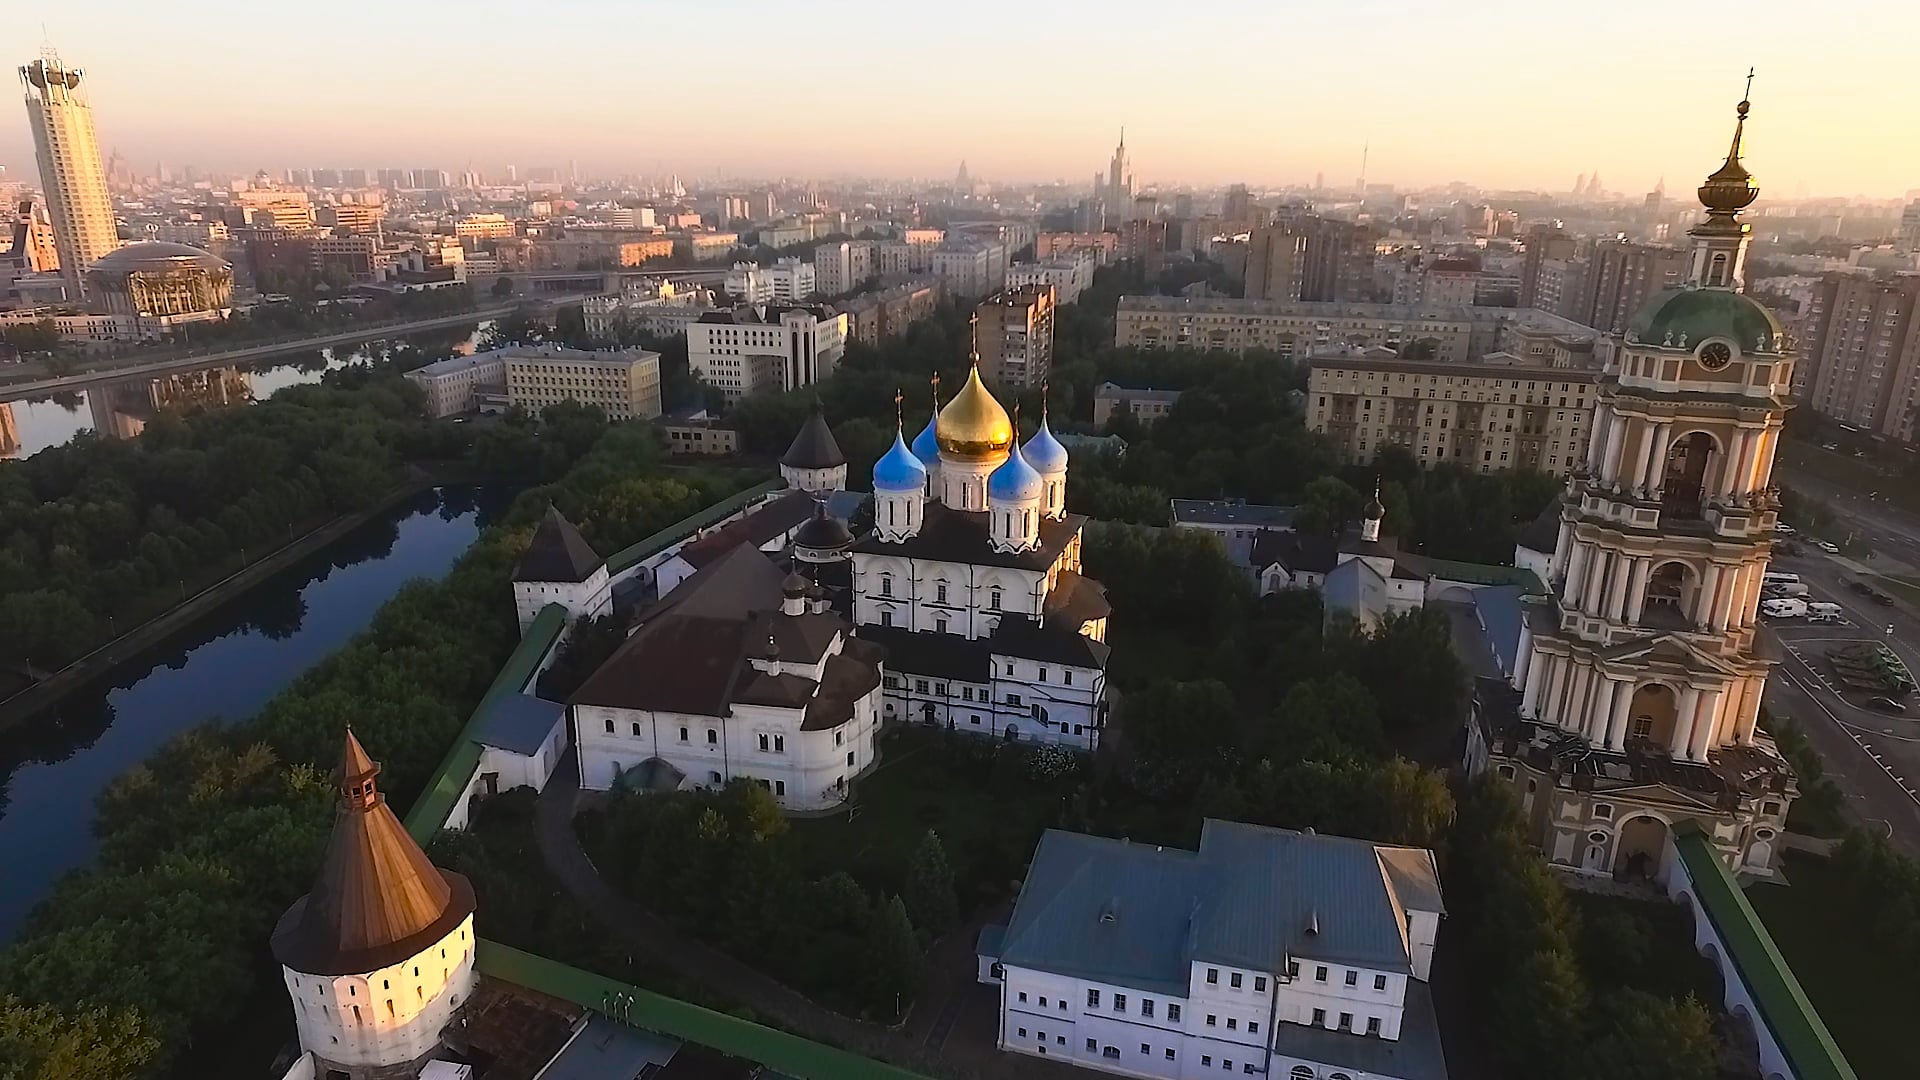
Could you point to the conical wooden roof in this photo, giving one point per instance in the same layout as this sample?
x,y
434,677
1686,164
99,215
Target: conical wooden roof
x,y
558,552
378,900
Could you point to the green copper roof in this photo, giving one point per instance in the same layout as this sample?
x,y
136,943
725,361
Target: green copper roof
x,y
1682,317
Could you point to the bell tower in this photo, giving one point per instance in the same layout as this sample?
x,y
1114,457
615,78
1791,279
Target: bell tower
x,y
1644,670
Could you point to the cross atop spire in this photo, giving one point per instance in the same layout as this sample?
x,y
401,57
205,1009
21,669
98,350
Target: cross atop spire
x,y
899,417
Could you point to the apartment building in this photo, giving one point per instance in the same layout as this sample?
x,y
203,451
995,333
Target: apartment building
x,y
876,317
1489,417
1298,330
1014,337
787,281
473,227
972,268
843,266
746,349
1276,264
1142,403
352,217
1266,952
1618,278
625,383
1054,245
1068,276
575,250
453,385
1860,353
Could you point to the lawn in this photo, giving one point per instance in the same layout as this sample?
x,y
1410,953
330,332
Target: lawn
x,y
979,796
1864,999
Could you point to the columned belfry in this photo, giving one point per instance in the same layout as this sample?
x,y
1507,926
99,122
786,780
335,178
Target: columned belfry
x,y
1639,681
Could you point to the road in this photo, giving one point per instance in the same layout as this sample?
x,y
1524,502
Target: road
x,y
81,380
1874,756
1883,526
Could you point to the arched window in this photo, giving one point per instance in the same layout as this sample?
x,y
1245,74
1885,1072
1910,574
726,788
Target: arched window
x,y
1717,275
890,509
993,599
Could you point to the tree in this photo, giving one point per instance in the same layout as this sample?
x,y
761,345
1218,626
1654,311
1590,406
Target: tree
x,y
891,958
1641,1034
1328,505
38,1042
929,892
502,287
46,626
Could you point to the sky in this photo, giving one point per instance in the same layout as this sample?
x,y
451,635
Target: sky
x,y
1495,93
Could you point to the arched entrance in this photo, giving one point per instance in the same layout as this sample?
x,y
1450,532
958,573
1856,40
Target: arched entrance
x,y
1595,859
1652,714
1637,854
1669,596
1683,484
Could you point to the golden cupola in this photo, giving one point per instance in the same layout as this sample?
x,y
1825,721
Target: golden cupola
x,y
973,426
1731,188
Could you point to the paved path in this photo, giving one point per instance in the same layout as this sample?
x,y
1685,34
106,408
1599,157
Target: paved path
x,y
922,1045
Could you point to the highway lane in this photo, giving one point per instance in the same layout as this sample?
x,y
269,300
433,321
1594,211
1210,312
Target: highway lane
x,y
1874,756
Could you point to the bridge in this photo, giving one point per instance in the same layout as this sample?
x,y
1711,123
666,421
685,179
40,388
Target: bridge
x,y
135,369
1759,986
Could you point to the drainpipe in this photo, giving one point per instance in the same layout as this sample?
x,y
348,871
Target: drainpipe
x,y
1273,1013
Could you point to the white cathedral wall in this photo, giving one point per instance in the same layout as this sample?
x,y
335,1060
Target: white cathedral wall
x,y
915,589
804,769
389,1016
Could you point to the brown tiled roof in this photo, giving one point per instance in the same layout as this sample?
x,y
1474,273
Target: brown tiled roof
x,y
847,679
378,899
558,552
773,519
682,663
1075,600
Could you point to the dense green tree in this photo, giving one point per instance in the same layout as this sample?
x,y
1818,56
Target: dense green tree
x,y
502,287
929,894
38,1042
1641,1034
891,957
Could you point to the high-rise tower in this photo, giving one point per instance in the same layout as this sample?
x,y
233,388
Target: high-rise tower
x,y
71,175
1638,682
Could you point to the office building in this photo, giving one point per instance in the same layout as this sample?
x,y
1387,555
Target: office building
x,y
1013,336
1860,353
746,349
624,383
154,287
1486,417
351,217
1276,263
453,386
1266,952
72,178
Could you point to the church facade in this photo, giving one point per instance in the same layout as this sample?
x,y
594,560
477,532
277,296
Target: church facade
x,y
1635,701
971,579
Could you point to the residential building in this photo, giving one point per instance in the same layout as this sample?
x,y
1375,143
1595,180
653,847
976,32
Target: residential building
x,y
1266,952
452,385
1237,523
787,281
657,305
1439,283
358,256
1860,360
1013,337
708,246
1145,242
1297,330
972,268
1337,262
275,208
624,383
843,266
351,217
1618,280
580,248
876,317
1633,708
474,227
1276,263
1054,245
1068,276
1546,245
745,349
200,234
971,579
1488,417
1144,404
32,250
72,179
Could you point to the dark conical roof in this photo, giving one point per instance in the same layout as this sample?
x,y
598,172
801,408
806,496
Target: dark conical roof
x,y
378,899
558,552
814,447
823,531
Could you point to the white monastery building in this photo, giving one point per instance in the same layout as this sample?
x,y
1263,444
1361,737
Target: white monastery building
x,y
1266,953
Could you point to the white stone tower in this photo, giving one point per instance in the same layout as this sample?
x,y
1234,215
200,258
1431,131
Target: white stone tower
x,y
379,956
814,461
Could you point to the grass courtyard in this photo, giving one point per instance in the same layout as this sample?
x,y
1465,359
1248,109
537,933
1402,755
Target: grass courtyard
x,y
978,795
1862,996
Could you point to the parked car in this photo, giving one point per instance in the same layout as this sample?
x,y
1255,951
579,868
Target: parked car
x,y
1887,704
1827,546
1783,529
1783,608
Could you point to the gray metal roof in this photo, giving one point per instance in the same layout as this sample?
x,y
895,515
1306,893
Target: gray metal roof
x,y
1416,1055
1216,512
1252,897
518,722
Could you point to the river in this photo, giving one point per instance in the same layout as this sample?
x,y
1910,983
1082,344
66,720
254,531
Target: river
x,y
121,409
223,667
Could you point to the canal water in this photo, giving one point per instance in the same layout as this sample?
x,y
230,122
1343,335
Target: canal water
x,y
120,409
224,667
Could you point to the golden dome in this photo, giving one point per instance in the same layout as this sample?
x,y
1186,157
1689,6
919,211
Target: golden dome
x,y
973,425
1731,188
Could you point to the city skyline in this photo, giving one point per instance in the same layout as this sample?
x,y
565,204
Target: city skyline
x,y
1573,92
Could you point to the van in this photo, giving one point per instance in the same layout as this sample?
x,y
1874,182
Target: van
x,y
1783,609
1823,613
1772,578
1791,589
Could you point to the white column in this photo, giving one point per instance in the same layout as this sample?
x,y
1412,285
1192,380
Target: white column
x,y
1576,574
1766,457
1749,717
1575,715
1596,439
1749,453
1749,601
1657,466
1522,653
1730,589
1703,725
1637,480
1562,552
1616,451
1703,601
1535,684
1603,561
1600,708
1556,688
1622,715
1637,590
1624,568
1688,704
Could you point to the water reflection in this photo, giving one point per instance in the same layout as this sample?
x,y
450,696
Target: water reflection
x,y
121,410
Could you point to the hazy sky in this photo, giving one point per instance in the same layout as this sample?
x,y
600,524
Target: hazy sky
x,y
1523,94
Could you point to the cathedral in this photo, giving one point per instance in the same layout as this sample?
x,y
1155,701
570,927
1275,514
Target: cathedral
x,y
1634,703
970,578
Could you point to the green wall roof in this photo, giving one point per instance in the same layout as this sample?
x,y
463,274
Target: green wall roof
x,y
1687,316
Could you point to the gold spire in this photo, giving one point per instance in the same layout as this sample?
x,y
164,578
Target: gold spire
x,y
973,425
1732,188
